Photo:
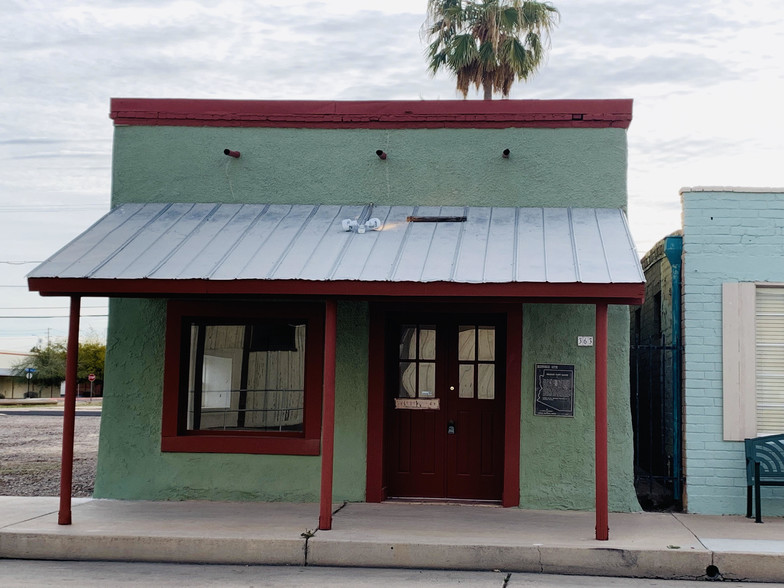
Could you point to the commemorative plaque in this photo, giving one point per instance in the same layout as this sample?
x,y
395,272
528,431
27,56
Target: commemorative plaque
x,y
554,392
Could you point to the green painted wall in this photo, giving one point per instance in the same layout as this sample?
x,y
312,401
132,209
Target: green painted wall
x,y
131,465
547,167
557,453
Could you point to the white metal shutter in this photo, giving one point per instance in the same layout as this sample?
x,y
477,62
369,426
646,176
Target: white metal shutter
x,y
738,360
769,325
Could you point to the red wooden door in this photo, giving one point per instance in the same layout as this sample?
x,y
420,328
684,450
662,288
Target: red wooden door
x,y
445,390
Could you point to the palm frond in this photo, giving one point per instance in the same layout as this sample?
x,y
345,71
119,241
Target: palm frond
x,y
462,51
534,42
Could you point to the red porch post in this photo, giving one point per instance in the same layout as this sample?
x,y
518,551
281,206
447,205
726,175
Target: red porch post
x,y
328,416
69,413
600,408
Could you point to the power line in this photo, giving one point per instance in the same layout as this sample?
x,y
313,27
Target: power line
x,y
52,207
44,307
50,316
19,262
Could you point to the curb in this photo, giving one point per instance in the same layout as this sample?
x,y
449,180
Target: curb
x,y
320,551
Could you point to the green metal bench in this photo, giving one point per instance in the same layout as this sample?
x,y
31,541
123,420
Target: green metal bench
x,y
764,467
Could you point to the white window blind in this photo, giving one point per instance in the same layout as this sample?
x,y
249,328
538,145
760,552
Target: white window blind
x,y
769,327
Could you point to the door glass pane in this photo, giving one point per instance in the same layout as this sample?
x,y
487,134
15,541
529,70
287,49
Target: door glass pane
x,y
408,342
408,371
486,384
487,343
466,381
427,342
466,343
427,380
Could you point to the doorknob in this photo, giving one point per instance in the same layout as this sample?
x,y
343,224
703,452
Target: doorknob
x,y
450,428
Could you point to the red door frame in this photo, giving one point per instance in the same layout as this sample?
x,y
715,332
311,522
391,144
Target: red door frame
x,y
375,490
600,426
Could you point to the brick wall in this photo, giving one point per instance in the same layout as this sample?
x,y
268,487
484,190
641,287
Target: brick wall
x,y
730,235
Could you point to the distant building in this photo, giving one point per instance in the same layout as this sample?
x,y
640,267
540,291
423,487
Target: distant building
x,y
10,385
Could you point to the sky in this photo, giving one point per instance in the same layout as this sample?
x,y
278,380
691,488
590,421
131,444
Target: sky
x,y
706,77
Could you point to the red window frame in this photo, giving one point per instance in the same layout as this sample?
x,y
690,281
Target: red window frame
x,y
175,437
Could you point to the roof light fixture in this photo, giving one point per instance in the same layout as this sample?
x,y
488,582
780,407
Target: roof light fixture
x,y
349,224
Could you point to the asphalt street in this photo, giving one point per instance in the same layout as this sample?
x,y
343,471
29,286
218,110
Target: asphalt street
x,y
36,573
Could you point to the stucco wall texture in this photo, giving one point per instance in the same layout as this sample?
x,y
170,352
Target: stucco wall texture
x,y
729,236
547,167
446,167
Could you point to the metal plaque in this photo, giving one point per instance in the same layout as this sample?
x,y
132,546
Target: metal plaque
x,y
554,393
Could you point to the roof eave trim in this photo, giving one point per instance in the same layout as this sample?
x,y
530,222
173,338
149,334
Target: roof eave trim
x,y
616,293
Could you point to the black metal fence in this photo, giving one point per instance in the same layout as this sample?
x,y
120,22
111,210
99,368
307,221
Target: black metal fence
x,y
653,403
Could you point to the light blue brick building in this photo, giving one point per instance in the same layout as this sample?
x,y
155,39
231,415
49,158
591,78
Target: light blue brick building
x,y
733,335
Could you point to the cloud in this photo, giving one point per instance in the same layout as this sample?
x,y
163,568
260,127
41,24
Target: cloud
x,y
706,77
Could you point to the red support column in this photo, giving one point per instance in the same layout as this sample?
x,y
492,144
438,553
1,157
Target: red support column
x,y
600,407
69,413
328,416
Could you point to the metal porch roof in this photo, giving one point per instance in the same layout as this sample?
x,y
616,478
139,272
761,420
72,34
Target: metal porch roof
x,y
279,243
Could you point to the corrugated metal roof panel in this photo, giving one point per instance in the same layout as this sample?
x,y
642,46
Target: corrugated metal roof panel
x,y
303,242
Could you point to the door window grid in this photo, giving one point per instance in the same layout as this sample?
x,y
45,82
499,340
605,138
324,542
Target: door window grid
x,y
476,358
416,361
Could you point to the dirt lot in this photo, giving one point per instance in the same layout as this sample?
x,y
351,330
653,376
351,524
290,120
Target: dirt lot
x,y
30,449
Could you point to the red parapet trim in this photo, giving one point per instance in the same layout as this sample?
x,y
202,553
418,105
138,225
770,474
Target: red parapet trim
x,y
69,413
372,114
328,423
514,362
600,412
633,293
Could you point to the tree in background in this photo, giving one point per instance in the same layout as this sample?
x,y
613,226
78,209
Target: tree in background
x,y
488,43
48,361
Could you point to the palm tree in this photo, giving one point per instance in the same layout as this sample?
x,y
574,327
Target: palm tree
x,y
488,43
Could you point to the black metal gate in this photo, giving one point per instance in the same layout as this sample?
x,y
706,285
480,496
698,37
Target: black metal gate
x,y
655,403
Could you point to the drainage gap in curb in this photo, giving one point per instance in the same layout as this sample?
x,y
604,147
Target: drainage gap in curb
x,y
713,572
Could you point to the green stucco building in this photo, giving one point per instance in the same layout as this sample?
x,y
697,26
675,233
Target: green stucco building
x,y
381,300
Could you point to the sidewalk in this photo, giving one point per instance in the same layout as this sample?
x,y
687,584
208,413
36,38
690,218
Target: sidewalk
x,y
656,545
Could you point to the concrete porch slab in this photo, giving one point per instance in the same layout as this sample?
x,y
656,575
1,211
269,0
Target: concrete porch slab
x,y
403,535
